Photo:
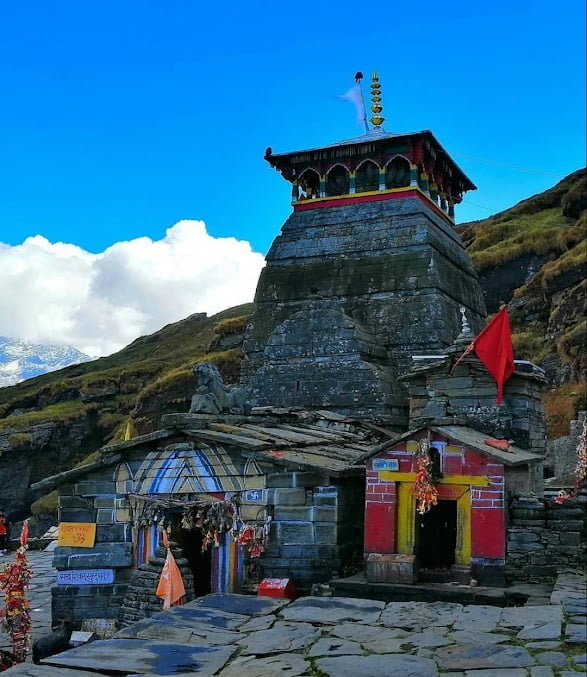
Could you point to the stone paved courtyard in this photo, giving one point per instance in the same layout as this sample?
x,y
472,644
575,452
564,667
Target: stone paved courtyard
x,y
242,636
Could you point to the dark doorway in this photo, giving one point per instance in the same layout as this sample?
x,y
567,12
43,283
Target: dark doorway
x,y
200,563
437,536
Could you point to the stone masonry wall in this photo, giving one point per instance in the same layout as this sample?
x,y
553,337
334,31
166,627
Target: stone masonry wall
x,y
544,536
469,395
395,267
94,500
563,451
316,530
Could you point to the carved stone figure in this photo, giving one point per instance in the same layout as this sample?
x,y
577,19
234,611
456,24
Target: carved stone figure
x,y
212,396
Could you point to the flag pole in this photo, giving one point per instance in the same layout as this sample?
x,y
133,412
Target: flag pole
x,y
358,80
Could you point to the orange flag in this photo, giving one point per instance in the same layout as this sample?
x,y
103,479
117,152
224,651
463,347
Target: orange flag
x,y
494,348
170,588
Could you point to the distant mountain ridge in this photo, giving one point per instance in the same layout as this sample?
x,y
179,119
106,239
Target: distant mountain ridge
x,y
20,360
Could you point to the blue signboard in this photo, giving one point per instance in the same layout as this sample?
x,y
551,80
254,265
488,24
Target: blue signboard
x,y
386,464
85,577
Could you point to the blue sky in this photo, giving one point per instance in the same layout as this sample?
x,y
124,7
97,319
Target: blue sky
x,y
121,118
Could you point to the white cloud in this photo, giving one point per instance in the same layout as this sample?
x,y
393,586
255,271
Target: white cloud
x,y
98,303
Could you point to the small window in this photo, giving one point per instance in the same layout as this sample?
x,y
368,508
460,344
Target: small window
x,y
309,185
436,469
397,173
367,177
338,181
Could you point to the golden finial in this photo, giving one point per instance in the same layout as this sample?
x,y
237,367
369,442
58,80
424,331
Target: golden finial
x,y
376,106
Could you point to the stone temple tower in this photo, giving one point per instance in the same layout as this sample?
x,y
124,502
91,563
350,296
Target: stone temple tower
x,y
366,272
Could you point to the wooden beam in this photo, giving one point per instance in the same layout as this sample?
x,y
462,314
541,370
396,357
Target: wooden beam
x,y
471,480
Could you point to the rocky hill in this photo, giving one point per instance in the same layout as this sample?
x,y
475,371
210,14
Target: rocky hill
x,y
20,360
532,256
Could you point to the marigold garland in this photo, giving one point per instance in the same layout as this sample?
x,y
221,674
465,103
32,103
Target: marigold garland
x,y
580,469
15,616
425,490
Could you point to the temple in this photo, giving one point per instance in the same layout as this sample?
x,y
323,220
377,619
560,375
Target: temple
x,y
357,381
366,272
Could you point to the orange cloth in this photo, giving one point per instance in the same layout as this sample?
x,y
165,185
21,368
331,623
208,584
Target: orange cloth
x,y
170,588
24,534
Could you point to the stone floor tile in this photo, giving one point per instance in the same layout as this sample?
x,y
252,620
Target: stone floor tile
x,y
425,640
478,657
576,633
31,670
144,656
481,617
283,665
283,637
555,658
541,671
541,631
258,623
332,610
527,616
365,633
581,620
474,637
501,672
420,615
377,666
333,646
543,645
240,604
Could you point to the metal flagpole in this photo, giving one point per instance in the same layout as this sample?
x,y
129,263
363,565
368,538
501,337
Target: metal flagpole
x,y
358,79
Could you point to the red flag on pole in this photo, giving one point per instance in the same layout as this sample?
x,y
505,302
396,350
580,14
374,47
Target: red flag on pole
x,y
494,348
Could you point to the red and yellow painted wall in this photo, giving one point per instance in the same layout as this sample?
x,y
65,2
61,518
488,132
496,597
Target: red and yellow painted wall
x,y
474,481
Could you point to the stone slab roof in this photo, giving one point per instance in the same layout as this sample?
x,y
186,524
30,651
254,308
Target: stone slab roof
x,y
471,438
319,441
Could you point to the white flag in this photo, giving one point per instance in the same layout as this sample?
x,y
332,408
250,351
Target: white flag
x,y
355,96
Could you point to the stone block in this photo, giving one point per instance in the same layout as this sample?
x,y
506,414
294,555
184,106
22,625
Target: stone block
x,y
112,533
105,516
326,533
90,488
76,515
124,515
394,568
284,480
105,502
287,497
565,525
570,538
102,555
295,532
75,502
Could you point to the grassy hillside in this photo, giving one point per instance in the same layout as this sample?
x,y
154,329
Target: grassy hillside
x,y
51,422
534,258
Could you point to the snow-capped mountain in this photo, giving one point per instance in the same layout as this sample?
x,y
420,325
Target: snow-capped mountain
x,y
20,360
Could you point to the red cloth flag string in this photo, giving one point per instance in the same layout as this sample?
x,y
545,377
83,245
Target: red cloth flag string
x,y
494,348
170,588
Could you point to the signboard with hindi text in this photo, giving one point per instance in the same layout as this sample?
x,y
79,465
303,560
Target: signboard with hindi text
x,y
77,534
85,577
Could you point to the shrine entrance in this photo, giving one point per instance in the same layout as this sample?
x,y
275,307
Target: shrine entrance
x,y
436,536
200,563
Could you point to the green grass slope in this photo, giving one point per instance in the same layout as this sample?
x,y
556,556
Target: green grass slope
x,y
534,258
